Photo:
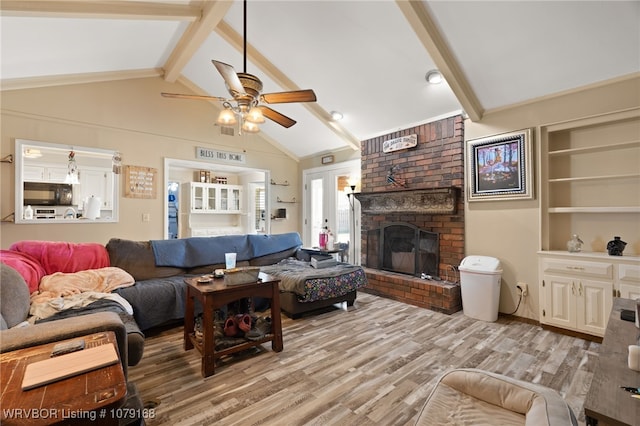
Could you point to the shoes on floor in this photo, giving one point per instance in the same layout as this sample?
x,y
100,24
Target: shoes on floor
x,y
244,322
230,327
263,325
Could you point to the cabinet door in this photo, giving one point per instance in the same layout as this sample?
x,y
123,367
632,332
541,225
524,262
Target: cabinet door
x,y
44,174
97,183
33,173
197,198
594,303
224,199
560,302
629,281
235,199
210,196
629,291
56,174
230,199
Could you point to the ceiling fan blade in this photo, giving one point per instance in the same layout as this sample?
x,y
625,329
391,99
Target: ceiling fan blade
x,y
230,76
292,96
273,115
200,97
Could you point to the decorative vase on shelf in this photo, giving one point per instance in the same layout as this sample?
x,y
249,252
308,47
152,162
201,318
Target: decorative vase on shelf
x,y
574,245
616,246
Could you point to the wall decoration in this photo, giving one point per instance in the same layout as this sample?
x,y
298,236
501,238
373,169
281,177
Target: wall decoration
x,y
327,159
394,180
140,182
499,167
403,142
208,154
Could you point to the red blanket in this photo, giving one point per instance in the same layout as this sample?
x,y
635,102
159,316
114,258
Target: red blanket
x,y
30,269
60,256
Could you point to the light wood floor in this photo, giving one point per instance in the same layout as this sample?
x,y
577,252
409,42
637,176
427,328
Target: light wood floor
x,y
371,365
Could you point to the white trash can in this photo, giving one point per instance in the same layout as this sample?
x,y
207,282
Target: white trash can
x,y
480,287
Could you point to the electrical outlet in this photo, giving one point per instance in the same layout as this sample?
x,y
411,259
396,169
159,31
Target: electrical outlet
x,y
146,217
524,288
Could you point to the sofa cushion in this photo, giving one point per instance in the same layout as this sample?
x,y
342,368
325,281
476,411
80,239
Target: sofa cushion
x,y
60,256
14,297
136,257
26,265
468,396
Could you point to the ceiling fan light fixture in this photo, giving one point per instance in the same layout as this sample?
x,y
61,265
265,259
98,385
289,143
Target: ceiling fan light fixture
x,y
434,77
249,127
227,117
255,116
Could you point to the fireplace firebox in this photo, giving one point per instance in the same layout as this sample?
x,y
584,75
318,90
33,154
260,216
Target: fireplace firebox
x,y
404,248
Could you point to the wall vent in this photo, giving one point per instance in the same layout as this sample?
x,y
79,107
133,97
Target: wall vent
x,y
226,130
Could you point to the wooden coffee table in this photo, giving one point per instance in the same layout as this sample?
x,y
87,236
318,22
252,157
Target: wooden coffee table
x,y
94,397
217,294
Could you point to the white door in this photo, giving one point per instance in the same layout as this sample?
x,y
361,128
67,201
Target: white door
x,y
328,201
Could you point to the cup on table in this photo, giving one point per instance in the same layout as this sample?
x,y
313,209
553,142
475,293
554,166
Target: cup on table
x,y
230,260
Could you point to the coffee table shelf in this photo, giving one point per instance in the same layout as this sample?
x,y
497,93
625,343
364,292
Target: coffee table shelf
x,y
213,296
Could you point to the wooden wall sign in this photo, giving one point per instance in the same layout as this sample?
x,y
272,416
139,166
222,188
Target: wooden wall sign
x,y
140,182
402,142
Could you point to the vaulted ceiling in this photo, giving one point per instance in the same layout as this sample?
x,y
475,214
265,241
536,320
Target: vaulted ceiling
x,y
366,59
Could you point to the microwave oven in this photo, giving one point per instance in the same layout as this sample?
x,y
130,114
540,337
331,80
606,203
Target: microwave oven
x,y
47,194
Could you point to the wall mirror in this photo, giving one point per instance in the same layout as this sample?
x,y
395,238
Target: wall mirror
x,y
65,184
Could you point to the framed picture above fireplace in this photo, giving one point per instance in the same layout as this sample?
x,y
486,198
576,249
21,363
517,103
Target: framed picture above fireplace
x,y
499,167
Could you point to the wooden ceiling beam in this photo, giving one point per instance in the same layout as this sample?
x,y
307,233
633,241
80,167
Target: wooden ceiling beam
x,y
429,35
100,9
193,38
268,68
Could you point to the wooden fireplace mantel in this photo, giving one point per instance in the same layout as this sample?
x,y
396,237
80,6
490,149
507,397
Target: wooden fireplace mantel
x,y
427,201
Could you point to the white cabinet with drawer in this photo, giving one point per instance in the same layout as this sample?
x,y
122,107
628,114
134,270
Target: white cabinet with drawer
x,y
578,288
629,281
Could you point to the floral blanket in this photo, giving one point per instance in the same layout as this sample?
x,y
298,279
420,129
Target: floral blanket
x,y
311,284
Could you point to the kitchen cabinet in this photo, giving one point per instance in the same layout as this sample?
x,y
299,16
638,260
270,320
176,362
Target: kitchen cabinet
x,y
213,198
629,281
95,182
44,173
577,289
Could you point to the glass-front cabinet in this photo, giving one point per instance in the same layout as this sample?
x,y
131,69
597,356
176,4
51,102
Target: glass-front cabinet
x,y
203,198
214,198
230,198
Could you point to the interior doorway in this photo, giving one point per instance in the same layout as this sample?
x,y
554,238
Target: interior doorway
x,y
177,173
173,209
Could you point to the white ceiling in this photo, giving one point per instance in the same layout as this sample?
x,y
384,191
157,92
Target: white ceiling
x,y
366,59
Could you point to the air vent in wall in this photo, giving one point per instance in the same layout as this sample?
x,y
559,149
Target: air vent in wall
x,y
225,130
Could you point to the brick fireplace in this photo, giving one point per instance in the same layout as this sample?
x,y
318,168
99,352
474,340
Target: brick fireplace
x,y
425,192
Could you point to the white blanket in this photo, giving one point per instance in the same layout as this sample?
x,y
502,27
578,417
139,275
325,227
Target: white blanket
x,y
54,305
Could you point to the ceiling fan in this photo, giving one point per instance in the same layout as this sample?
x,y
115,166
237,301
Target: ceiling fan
x,y
247,102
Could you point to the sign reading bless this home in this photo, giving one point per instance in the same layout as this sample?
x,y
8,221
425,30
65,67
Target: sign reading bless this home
x,y
215,155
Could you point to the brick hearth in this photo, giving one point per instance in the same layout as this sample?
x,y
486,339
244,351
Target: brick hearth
x,y
435,295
